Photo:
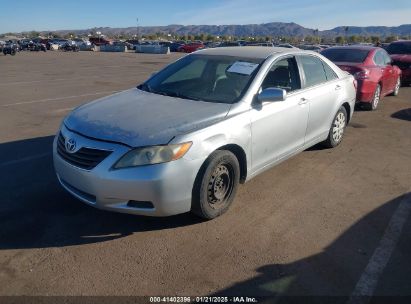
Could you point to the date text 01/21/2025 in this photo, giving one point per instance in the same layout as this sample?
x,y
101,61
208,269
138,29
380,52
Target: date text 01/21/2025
x,y
204,299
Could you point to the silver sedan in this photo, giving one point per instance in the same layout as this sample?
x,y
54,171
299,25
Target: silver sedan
x,y
188,136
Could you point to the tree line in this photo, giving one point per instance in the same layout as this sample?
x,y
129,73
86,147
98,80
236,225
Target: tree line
x,y
310,39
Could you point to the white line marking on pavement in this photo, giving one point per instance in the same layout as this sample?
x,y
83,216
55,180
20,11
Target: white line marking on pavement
x,y
369,279
58,98
103,77
17,161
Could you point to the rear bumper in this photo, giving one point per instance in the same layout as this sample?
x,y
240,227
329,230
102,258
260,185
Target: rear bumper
x,y
167,186
365,90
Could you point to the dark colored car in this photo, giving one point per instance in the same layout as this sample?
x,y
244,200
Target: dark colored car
x,y
372,68
10,48
191,47
99,40
400,52
36,47
175,46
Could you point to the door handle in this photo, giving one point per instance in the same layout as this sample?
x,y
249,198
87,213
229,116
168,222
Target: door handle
x,y
337,87
303,101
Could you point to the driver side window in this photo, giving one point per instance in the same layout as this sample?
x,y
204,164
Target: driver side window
x,y
283,75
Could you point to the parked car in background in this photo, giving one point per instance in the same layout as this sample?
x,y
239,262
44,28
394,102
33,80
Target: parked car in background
x,y
36,46
99,40
286,45
232,43
400,52
10,48
267,44
311,47
70,47
184,139
191,47
56,41
175,46
372,68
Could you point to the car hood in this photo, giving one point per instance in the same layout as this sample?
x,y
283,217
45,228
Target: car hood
x,y
138,118
402,57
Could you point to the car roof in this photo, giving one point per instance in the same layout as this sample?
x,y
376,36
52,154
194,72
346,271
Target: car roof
x,y
401,42
247,51
355,47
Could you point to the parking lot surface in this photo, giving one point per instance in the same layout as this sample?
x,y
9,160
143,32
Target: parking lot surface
x,y
317,224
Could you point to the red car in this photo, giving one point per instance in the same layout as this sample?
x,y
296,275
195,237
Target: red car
x,y
400,52
372,68
191,47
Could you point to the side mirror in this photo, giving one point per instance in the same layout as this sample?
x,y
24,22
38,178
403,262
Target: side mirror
x,y
272,94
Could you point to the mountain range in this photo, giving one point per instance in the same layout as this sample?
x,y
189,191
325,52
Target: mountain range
x,y
265,29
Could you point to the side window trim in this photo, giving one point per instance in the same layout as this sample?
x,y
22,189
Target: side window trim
x,y
331,69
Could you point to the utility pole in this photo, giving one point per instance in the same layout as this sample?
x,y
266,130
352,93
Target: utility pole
x,y
138,30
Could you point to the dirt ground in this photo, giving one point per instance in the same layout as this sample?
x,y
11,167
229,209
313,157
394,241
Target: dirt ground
x,y
306,227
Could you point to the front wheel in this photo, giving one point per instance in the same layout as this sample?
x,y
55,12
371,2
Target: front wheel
x,y
337,129
216,185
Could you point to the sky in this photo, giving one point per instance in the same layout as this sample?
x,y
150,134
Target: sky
x,y
26,15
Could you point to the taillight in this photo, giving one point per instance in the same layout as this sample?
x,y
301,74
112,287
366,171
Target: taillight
x,y
363,74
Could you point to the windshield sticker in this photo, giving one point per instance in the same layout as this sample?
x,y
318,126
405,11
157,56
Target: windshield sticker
x,y
241,67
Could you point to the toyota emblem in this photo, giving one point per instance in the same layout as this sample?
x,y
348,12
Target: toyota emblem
x,y
71,145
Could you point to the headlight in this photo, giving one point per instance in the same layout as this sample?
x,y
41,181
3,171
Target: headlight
x,y
152,155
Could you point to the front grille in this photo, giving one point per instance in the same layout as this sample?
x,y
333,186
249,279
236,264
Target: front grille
x,y
402,65
85,158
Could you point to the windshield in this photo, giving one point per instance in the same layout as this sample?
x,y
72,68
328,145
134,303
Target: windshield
x,y
346,55
222,79
399,48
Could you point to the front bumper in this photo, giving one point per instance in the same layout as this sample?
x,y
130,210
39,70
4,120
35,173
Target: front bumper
x,y
168,186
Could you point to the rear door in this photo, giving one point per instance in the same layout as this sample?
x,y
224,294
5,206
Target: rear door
x,y
391,70
386,71
321,89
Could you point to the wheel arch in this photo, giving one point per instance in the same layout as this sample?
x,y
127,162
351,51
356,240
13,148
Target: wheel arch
x,y
347,108
241,157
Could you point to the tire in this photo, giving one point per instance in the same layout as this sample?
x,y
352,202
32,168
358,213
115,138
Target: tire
x,y
397,87
337,129
373,105
216,185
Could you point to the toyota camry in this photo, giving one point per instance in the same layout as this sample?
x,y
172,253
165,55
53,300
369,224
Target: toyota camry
x,y
188,136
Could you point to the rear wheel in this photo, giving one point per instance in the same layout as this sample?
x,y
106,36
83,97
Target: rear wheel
x,y
216,185
397,87
337,129
373,105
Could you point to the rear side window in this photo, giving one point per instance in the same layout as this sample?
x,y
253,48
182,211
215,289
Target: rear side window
x,y
379,58
345,55
387,58
329,72
313,70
